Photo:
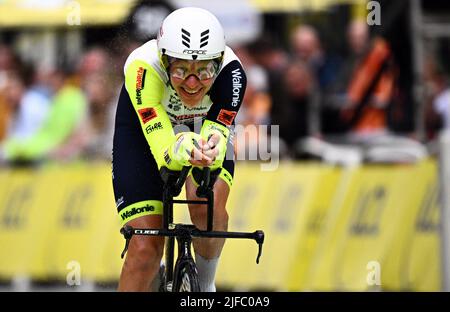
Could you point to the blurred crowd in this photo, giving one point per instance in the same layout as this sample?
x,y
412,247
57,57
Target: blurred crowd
x,y
338,106
62,113
314,95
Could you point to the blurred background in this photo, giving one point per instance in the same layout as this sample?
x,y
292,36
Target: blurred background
x,y
353,97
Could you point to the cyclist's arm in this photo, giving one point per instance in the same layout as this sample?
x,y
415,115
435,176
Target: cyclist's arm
x,y
146,90
226,94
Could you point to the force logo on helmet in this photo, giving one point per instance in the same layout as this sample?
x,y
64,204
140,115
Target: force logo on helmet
x,y
186,51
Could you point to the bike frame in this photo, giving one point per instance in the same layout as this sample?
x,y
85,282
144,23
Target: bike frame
x,y
185,232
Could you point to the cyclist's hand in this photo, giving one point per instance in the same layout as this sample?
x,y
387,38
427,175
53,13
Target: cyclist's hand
x,y
215,148
185,151
216,136
211,148
202,157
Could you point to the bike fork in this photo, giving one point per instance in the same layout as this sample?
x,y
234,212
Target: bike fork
x,y
169,256
184,255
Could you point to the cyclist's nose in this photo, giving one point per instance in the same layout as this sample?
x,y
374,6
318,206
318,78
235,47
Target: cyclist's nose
x,y
191,81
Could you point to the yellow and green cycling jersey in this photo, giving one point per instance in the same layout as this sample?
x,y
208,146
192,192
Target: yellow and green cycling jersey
x,y
160,109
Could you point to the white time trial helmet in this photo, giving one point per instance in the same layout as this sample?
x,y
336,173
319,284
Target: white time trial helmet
x,y
192,34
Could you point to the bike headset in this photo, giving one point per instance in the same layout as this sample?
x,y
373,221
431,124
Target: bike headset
x,y
191,34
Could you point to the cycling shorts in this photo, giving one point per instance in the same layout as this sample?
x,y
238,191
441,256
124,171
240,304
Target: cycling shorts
x,y
137,183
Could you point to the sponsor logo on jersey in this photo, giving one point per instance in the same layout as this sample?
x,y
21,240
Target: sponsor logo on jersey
x,y
196,108
236,86
140,81
185,117
151,128
178,144
174,103
214,127
228,177
119,202
226,117
167,158
147,114
136,210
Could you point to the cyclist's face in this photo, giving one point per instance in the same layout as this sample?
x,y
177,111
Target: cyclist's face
x,y
192,79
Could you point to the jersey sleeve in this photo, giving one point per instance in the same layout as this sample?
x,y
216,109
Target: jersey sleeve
x,y
227,94
146,90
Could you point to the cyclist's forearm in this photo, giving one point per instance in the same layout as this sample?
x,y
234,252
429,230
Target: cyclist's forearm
x,y
145,89
210,127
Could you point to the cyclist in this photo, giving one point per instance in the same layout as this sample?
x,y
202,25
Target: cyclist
x,y
187,77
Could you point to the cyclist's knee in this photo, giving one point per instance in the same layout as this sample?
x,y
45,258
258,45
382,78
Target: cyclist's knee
x,y
198,212
198,215
145,253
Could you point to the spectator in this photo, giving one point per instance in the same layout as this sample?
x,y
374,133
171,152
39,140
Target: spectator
x,y
101,98
437,112
358,38
30,102
99,83
53,139
7,110
256,105
275,62
8,62
316,71
306,47
93,61
299,83
358,102
358,45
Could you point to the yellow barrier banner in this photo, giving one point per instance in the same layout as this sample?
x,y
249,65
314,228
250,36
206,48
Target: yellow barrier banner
x,y
421,267
246,203
312,228
85,212
278,202
20,237
56,220
374,227
370,233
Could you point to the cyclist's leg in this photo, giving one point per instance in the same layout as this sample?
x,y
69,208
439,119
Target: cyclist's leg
x,y
209,247
208,250
138,192
142,262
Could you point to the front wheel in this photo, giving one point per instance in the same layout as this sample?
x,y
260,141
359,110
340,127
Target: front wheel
x,y
186,278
